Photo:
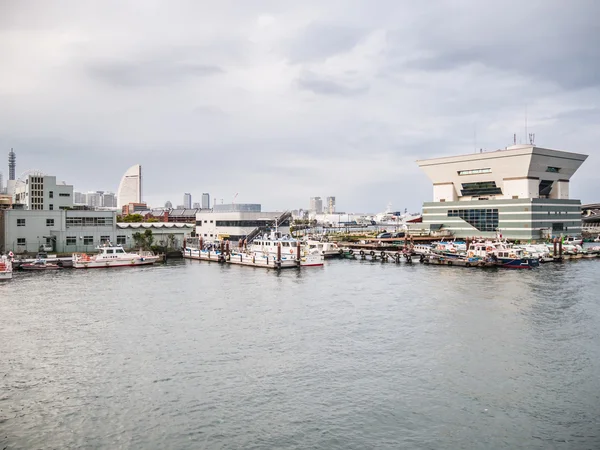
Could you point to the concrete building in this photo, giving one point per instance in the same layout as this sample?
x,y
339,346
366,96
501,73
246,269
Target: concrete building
x,y
109,200
41,192
130,188
521,192
66,231
235,225
79,198
330,205
133,208
187,200
94,199
205,200
316,205
238,207
196,205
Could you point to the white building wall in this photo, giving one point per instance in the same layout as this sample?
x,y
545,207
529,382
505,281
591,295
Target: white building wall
x,y
206,223
560,190
444,192
520,188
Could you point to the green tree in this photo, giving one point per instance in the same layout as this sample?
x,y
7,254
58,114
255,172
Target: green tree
x,y
132,218
143,240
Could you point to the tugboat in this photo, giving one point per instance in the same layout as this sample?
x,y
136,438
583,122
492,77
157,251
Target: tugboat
x,y
112,256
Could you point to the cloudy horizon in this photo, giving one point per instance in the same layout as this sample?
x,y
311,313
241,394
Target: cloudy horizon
x,y
281,101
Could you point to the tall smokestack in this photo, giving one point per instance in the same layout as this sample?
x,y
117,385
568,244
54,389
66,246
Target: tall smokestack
x,y
12,164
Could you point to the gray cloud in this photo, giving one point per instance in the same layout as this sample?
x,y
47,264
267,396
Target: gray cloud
x,y
149,72
322,40
327,86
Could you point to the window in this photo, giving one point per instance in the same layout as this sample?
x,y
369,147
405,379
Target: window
x,y
89,221
211,221
482,219
250,223
553,169
71,240
51,194
545,187
64,194
51,207
20,222
121,240
88,240
474,171
21,241
49,222
104,239
557,226
198,223
481,188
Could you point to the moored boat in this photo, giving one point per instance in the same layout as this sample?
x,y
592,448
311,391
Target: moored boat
x,y
40,264
112,256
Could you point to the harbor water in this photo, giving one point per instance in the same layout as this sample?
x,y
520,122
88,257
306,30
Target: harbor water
x,y
353,355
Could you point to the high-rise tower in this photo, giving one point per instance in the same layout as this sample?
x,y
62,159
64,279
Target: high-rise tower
x,y
12,164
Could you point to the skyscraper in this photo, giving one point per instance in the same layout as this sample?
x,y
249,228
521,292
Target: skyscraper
x,y
205,200
130,188
187,200
330,205
12,165
316,204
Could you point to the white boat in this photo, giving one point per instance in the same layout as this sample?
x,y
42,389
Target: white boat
x,y
287,247
112,256
6,271
539,251
327,249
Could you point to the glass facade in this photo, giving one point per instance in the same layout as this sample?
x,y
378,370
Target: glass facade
x,y
482,219
89,221
480,188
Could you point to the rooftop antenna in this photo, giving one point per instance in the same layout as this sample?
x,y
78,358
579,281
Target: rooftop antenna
x,y
515,139
532,138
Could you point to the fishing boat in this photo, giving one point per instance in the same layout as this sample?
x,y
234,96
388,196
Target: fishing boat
x,y
112,256
275,244
6,271
504,254
327,249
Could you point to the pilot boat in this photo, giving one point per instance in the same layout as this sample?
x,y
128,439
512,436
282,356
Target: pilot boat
x,y
112,256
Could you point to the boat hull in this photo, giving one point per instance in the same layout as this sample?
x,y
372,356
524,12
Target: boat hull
x,y
5,276
112,264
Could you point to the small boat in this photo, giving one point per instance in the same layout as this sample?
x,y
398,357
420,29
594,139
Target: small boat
x,y
504,254
327,249
6,271
40,264
112,256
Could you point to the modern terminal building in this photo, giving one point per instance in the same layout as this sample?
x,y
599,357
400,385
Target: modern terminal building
x,y
521,192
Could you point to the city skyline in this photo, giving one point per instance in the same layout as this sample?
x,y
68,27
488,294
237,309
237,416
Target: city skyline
x,y
355,95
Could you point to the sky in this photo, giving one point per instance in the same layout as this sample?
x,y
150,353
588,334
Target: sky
x,y
276,101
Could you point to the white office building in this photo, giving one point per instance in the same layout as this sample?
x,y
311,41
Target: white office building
x,y
235,225
187,200
130,188
521,192
205,200
67,231
42,192
330,205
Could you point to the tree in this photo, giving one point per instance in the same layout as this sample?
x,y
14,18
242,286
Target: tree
x,y
133,218
143,240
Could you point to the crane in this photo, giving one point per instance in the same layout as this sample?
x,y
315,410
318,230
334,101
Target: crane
x,y
234,197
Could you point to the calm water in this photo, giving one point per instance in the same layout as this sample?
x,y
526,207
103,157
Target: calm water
x,y
354,355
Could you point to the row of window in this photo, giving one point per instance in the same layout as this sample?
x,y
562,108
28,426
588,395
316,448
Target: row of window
x,y
474,171
249,223
482,219
89,240
89,221
480,188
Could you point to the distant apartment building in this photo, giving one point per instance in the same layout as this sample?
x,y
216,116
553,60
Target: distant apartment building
x,y
330,205
94,199
205,200
316,204
196,205
42,192
79,198
187,200
109,200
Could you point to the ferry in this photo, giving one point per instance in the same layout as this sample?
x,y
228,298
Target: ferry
x,y
6,271
112,256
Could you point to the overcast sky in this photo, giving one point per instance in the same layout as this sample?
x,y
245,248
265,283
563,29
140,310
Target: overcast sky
x,y
283,100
